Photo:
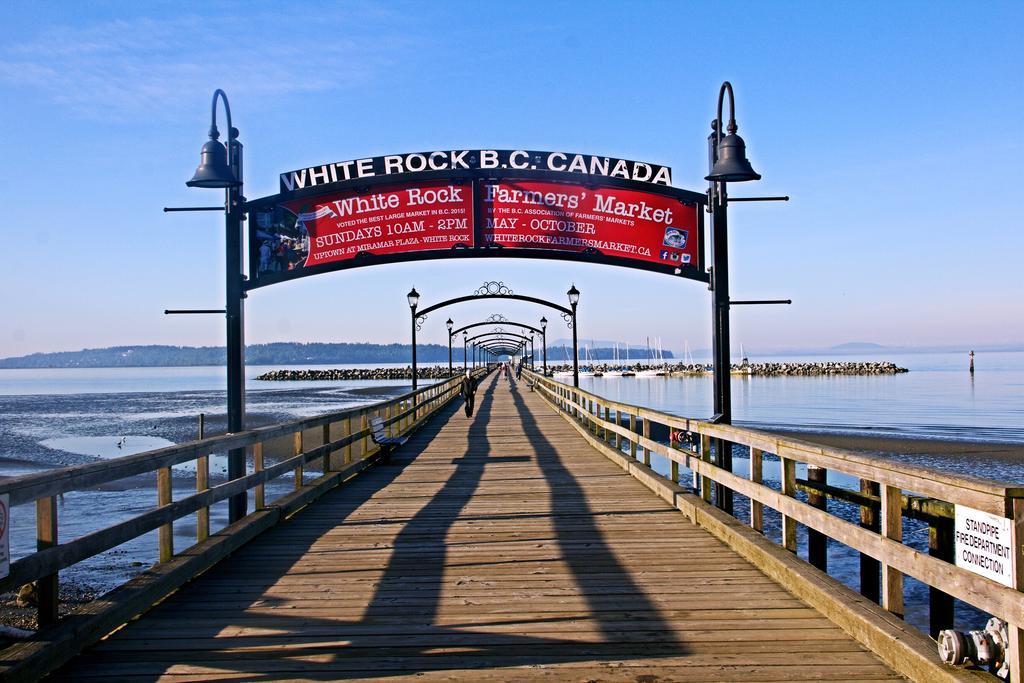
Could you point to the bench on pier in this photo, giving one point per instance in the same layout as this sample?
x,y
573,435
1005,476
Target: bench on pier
x,y
380,437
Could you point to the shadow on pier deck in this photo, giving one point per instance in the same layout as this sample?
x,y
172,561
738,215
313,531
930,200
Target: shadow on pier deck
x,y
497,547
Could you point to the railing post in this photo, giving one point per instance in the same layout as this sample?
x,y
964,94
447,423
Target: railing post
x,y
604,428
892,528
328,462
297,450
364,442
673,465
940,604
705,456
817,542
202,484
870,584
632,430
1015,653
260,501
756,476
647,435
165,535
788,470
46,537
346,431
616,436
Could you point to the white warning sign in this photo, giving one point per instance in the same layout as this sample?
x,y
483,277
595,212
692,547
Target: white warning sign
x,y
983,544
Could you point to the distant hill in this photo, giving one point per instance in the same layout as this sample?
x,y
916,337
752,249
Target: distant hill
x,y
281,353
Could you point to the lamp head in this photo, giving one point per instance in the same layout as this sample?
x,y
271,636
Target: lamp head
x,y
449,324
544,323
574,295
414,298
213,171
732,165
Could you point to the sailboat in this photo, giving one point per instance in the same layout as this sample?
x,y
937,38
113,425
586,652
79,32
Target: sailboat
x,y
655,370
586,370
616,370
744,363
562,374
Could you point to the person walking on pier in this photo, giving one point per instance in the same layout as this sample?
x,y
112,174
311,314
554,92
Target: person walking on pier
x,y
469,392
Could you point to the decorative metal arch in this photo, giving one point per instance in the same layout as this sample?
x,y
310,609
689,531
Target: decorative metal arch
x,y
499,334
504,347
497,290
504,320
508,343
494,288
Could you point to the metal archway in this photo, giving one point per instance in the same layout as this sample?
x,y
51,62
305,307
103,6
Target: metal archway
x,y
502,334
499,290
498,319
500,347
509,323
496,289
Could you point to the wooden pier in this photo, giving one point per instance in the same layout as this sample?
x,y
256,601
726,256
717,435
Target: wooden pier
x,y
498,547
529,541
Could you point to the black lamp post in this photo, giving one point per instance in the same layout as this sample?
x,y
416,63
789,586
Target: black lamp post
x,y
414,299
449,324
221,168
544,342
574,298
465,352
727,158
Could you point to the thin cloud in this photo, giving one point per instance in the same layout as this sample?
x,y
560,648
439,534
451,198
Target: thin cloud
x,y
130,67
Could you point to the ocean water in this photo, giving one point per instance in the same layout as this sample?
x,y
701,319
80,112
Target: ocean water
x,y
938,398
53,418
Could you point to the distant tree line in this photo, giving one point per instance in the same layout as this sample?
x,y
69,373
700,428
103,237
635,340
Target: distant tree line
x,y
280,353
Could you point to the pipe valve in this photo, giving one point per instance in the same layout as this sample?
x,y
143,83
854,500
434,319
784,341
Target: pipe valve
x,y
983,648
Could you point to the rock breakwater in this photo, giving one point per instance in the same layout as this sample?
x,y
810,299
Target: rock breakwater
x,y
822,368
759,369
335,374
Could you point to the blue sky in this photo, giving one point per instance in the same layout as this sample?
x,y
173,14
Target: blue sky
x,y
895,127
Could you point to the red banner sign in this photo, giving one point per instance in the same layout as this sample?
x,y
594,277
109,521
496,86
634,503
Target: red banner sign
x,y
341,225
616,222
612,221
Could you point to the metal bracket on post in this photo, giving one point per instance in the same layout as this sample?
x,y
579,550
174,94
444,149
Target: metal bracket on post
x,y
189,311
758,199
759,302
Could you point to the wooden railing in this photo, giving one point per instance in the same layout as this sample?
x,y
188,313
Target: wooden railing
x,y
885,496
338,445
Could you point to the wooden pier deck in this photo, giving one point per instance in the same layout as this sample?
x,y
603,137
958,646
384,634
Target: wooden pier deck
x,y
493,548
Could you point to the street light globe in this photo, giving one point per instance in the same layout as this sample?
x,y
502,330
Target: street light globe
x,y
449,324
574,295
544,323
414,298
